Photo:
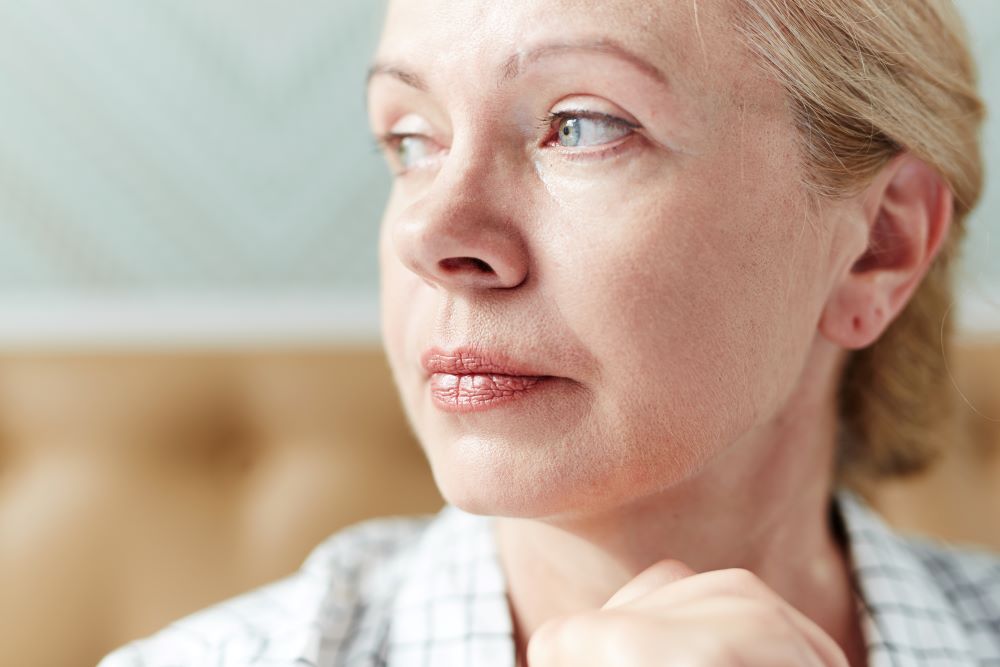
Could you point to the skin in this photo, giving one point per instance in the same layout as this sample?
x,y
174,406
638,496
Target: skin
x,y
694,300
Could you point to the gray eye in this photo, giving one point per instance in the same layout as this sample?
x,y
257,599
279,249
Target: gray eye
x,y
577,131
569,132
411,151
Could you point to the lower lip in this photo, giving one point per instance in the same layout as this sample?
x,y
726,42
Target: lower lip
x,y
481,391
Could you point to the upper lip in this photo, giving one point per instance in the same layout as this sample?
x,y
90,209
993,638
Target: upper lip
x,y
470,360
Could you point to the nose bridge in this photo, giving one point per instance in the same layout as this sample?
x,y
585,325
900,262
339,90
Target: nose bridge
x,y
464,182
463,232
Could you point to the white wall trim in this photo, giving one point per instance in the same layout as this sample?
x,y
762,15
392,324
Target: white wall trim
x,y
188,320
241,319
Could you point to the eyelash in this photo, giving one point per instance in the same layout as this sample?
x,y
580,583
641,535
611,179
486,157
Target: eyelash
x,y
389,143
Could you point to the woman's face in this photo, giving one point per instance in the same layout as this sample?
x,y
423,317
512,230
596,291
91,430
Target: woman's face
x,y
606,197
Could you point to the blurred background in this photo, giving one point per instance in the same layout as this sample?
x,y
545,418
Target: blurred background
x,y
192,393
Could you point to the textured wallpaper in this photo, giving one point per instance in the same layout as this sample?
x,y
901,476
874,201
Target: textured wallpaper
x,y
191,145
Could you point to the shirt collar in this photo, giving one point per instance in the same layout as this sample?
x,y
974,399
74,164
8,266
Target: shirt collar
x,y
452,609
906,617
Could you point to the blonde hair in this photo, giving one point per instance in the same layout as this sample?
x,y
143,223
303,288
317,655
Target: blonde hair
x,y
868,79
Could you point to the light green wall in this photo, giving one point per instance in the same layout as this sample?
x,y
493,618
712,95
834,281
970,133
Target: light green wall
x,y
187,144
982,268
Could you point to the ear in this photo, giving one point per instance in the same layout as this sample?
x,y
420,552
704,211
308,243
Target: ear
x,y
908,210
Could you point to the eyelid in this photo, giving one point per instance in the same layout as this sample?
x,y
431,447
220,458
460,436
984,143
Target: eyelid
x,y
592,104
411,124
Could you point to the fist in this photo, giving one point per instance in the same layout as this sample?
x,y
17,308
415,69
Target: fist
x,y
669,616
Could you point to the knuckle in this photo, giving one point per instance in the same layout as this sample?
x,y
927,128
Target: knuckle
x,y
621,632
758,617
765,615
741,581
706,650
558,638
774,621
569,640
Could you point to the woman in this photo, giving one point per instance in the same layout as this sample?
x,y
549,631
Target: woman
x,y
659,280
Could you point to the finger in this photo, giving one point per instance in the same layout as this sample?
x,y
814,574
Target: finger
x,y
780,625
694,587
823,644
743,583
652,578
697,588
758,634
575,640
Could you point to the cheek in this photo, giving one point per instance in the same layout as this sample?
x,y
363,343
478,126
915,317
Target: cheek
x,y
696,308
397,287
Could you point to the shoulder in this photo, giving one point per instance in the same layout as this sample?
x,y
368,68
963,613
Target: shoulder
x,y
968,577
923,595
282,622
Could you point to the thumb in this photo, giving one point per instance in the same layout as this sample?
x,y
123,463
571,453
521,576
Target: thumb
x,y
653,577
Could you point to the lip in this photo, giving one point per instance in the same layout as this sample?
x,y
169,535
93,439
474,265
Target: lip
x,y
472,361
472,380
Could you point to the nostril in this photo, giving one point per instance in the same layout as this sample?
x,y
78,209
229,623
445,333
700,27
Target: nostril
x,y
454,264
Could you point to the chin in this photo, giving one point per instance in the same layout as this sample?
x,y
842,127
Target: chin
x,y
492,499
483,488
498,488
521,490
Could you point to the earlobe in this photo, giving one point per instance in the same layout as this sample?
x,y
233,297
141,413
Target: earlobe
x,y
855,318
908,211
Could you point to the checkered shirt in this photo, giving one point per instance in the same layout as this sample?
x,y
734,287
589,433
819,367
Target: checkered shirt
x,y
430,592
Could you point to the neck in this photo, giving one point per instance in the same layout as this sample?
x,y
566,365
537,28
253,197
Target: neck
x,y
772,518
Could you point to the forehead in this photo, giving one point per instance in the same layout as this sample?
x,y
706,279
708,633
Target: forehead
x,y
691,41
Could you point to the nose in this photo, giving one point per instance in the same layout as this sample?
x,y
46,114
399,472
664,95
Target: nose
x,y
462,234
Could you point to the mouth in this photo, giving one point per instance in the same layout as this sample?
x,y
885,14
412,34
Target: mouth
x,y
467,380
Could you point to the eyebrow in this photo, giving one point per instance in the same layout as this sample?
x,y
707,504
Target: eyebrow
x,y
519,62
398,73
516,64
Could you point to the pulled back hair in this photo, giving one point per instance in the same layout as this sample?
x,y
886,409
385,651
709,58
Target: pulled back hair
x,y
866,80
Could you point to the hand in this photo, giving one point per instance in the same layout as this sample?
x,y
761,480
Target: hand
x,y
669,616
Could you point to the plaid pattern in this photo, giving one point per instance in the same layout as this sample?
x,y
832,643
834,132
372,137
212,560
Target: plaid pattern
x,y
430,592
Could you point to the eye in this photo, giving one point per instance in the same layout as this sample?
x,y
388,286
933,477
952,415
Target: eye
x,y
412,150
409,151
586,129
408,146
